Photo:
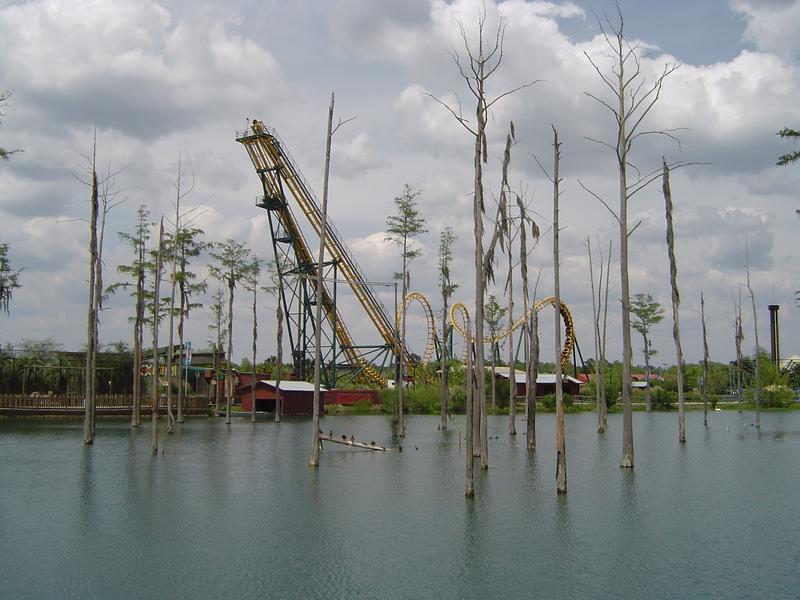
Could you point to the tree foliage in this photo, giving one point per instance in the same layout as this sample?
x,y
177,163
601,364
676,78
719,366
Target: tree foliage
x,y
789,157
9,278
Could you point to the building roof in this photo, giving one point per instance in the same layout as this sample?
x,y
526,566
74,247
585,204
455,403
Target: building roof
x,y
543,378
293,386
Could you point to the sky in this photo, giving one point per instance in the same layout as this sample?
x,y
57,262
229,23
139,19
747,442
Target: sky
x,y
167,79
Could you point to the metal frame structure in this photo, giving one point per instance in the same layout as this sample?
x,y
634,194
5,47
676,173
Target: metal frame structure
x,y
296,267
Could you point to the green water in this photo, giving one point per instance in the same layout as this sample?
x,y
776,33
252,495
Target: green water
x,y
234,512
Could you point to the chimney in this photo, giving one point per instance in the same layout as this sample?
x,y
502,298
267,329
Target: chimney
x,y
774,334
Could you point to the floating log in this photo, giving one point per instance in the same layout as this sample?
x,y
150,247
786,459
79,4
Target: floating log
x,y
350,441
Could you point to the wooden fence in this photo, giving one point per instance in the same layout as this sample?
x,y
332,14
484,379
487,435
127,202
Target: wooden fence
x,y
113,404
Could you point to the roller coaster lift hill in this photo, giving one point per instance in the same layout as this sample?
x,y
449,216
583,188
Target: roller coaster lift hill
x,y
280,180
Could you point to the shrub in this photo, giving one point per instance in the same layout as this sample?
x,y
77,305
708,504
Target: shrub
x,y
663,399
549,401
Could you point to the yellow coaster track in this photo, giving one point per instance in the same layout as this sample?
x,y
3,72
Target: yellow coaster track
x,y
463,325
277,170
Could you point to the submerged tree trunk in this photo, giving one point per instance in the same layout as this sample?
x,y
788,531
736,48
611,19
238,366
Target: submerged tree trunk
x,y
445,391
603,339
469,485
596,326
91,325
315,443
512,379
255,349
648,396
739,337
182,366
757,385
530,368
170,416
156,311
229,371
561,450
278,360
673,281
705,359
532,377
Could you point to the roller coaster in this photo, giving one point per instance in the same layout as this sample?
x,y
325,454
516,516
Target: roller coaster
x,y
295,268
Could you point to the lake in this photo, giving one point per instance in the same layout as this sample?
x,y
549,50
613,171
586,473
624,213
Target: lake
x,y
234,511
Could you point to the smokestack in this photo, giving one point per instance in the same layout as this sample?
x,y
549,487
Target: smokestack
x,y
774,334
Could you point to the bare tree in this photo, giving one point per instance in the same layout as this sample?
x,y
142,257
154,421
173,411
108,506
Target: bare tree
x,y
705,359
531,341
561,451
274,289
756,357
632,99
604,335
482,59
596,305
91,327
315,443
673,282
446,240
156,318
738,339
250,276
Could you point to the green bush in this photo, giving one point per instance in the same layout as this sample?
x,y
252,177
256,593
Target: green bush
x,y
549,401
662,398
777,396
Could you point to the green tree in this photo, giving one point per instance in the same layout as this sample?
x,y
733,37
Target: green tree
x,y
790,157
218,331
446,240
250,277
9,278
646,312
231,264
402,229
136,271
494,313
188,245
4,96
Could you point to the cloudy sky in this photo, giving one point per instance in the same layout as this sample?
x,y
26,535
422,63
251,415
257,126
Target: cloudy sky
x,y
169,77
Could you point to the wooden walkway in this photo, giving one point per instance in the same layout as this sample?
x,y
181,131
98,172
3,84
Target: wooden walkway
x,y
351,441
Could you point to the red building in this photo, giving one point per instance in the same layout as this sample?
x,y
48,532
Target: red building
x,y
297,397
545,382
350,397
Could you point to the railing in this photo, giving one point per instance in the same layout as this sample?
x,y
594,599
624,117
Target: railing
x,y
114,401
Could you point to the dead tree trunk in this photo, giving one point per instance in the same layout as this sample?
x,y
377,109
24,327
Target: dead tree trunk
x,y
279,359
739,338
596,327
757,383
673,281
705,359
530,369
91,326
156,315
561,451
315,443
603,339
